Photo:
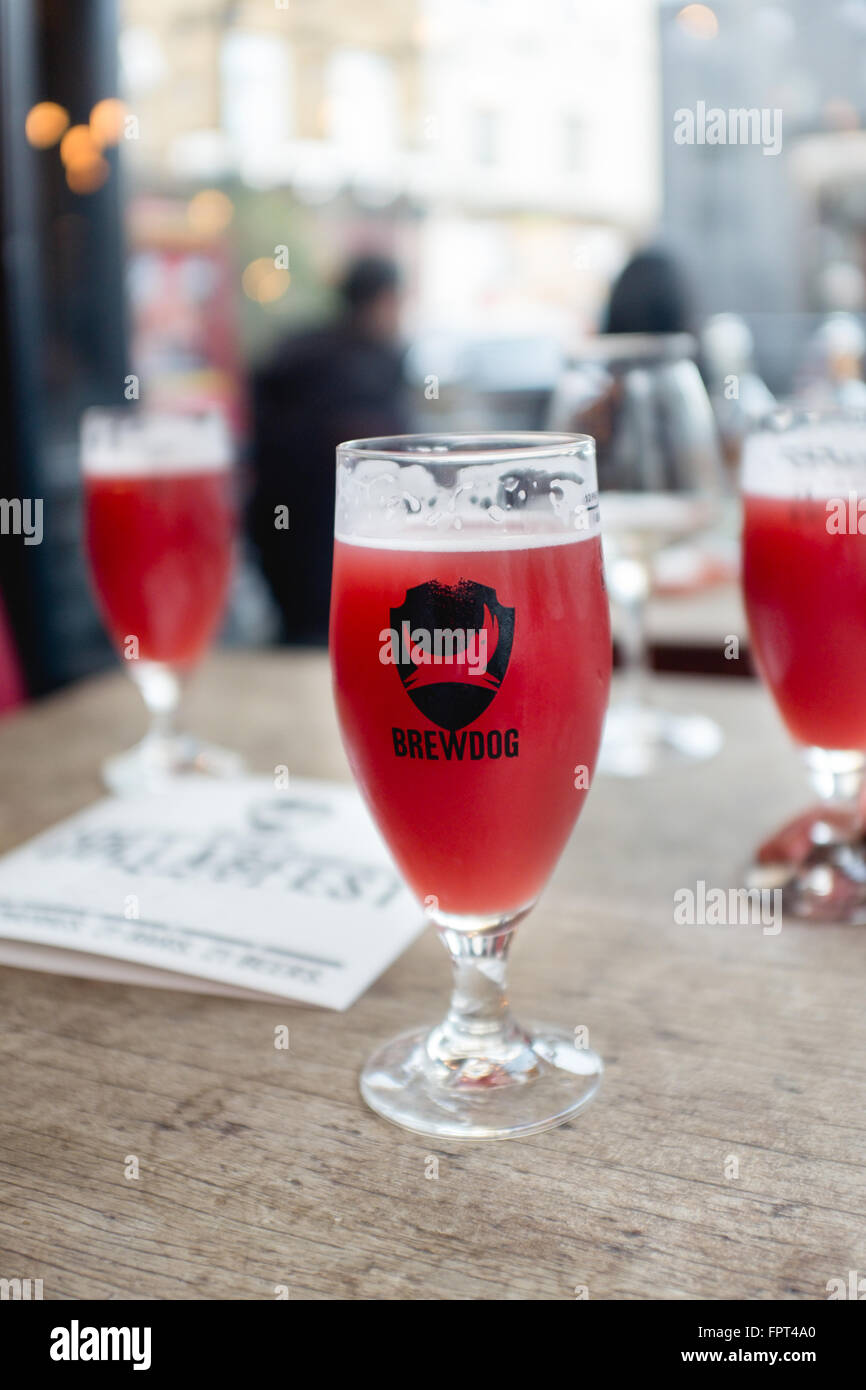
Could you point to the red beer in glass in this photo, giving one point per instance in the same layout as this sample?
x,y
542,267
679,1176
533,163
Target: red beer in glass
x,y
476,816
471,653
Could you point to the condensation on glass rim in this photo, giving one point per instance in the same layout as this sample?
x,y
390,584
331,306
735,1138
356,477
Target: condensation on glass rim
x,y
469,492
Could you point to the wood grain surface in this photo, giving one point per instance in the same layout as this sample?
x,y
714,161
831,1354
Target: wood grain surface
x,y
727,1051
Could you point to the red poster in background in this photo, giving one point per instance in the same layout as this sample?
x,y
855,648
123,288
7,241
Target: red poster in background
x,y
184,335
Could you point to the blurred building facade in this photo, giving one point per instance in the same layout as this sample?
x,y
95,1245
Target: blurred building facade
x,y
513,148
779,236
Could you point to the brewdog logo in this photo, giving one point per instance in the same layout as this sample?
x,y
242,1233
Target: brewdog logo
x,y
451,644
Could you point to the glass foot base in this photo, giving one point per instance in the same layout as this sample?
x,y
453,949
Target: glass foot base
x,y
818,862
153,764
543,1081
639,739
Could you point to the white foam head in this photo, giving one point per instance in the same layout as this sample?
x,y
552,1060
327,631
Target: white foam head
x,y
133,443
468,498
813,456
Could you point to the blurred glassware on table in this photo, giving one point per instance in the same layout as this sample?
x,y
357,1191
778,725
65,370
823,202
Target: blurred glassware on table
x,y
739,396
804,585
660,480
832,374
160,529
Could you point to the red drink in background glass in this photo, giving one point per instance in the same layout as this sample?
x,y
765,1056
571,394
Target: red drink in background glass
x,y
159,522
476,814
804,587
805,596
160,548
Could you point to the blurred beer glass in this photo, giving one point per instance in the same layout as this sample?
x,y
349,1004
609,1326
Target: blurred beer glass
x,y
804,585
660,481
159,526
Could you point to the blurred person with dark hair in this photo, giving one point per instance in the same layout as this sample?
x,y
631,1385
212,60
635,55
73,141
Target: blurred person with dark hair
x,y
650,295
321,386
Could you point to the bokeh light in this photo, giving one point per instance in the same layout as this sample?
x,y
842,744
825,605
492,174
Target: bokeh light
x,y
263,282
699,21
87,176
210,212
45,124
78,147
106,122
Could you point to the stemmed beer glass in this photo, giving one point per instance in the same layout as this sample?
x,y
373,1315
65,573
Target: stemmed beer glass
x,y
804,583
159,524
471,653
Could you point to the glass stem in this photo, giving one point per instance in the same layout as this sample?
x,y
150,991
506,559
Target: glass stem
x,y
629,588
160,690
479,1024
837,777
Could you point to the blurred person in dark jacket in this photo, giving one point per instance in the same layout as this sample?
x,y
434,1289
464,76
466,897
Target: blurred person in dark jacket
x,y
650,295
321,386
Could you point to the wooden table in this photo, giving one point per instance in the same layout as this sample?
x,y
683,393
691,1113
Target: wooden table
x,y
262,1168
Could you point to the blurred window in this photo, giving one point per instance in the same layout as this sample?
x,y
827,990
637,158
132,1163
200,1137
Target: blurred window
x,y
255,72
142,60
573,144
487,137
362,104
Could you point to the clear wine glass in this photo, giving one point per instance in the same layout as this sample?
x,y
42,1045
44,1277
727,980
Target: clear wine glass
x,y
470,644
661,478
159,524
